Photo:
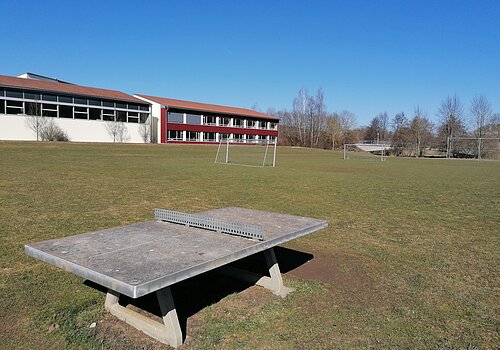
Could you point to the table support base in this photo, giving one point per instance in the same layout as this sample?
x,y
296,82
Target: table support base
x,y
169,332
273,283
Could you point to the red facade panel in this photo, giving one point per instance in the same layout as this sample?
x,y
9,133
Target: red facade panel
x,y
220,129
163,125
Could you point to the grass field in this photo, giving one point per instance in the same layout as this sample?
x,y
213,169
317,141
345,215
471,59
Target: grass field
x,y
410,260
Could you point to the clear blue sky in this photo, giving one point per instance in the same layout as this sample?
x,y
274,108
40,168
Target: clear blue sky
x,y
368,56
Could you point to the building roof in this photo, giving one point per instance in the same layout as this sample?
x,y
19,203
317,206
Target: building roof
x,y
206,107
41,85
29,75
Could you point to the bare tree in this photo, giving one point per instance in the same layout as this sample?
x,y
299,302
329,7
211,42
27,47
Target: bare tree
x,y
451,113
118,131
495,124
35,119
373,130
401,136
53,132
384,126
299,114
339,125
145,132
481,113
421,129
317,118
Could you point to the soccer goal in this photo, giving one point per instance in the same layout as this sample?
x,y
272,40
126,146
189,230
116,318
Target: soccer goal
x,y
252,153
366,151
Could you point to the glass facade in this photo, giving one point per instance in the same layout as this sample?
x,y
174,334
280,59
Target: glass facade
x,y
27,102
177,116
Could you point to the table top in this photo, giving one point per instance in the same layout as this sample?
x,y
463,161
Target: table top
x,y
142,258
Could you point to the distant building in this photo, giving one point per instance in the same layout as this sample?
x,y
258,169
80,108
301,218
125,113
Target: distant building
x,y
85,112
191,122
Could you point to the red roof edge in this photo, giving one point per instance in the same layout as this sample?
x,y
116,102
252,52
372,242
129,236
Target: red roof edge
x,y
206,107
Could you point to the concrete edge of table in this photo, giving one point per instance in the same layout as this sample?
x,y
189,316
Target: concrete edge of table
x,y
136,291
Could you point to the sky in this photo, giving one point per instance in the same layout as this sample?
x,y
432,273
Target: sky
x,y
368,56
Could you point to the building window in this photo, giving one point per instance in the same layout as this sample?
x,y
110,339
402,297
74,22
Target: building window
x,y
174,117
193,119
2,92
209,120
121,116
121,105
192,136
272,125
238,137
143,117
251,124
175,135
209,136
94,114
65,99
224,121
65,111
49,110
133,106
80,101
263,125
14,107
31,96
14,93
108,104
238,123
2,106
49,97
144,108
224,137
133,117
108,114
81,113
94,102
33,108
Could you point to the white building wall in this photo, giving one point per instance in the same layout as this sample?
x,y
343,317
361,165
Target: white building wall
x,y
156,116
13,127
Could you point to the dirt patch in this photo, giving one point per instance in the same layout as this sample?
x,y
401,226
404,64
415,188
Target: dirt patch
x,y
124,337
343,271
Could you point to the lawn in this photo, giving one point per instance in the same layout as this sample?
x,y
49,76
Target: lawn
x,y
410,260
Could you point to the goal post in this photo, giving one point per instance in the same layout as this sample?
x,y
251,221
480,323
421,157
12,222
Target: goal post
x,y
365,151
252,153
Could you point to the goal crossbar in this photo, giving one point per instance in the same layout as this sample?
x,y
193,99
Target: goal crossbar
x,y
224,155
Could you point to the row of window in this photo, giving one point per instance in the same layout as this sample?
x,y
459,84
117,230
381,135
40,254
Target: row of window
x,y
177,135
175,117
79,100
72,112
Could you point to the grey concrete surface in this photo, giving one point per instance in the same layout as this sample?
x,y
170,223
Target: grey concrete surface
x,y
142,258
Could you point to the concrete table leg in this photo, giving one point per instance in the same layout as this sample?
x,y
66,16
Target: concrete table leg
x,y
274,283
274,271
168,333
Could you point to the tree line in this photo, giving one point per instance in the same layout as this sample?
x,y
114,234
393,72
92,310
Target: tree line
x,y
457,132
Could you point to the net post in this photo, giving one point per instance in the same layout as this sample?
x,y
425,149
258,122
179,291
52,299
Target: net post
x,y
217,154
274,152
227,150
265,154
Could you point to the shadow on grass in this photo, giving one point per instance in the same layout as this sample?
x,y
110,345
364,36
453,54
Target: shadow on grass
x,y
196,293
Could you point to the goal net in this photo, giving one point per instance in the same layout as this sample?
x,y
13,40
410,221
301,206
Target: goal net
x,y
253,153
474,147
369,152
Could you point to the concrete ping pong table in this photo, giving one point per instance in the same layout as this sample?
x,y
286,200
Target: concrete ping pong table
x,y
147,257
